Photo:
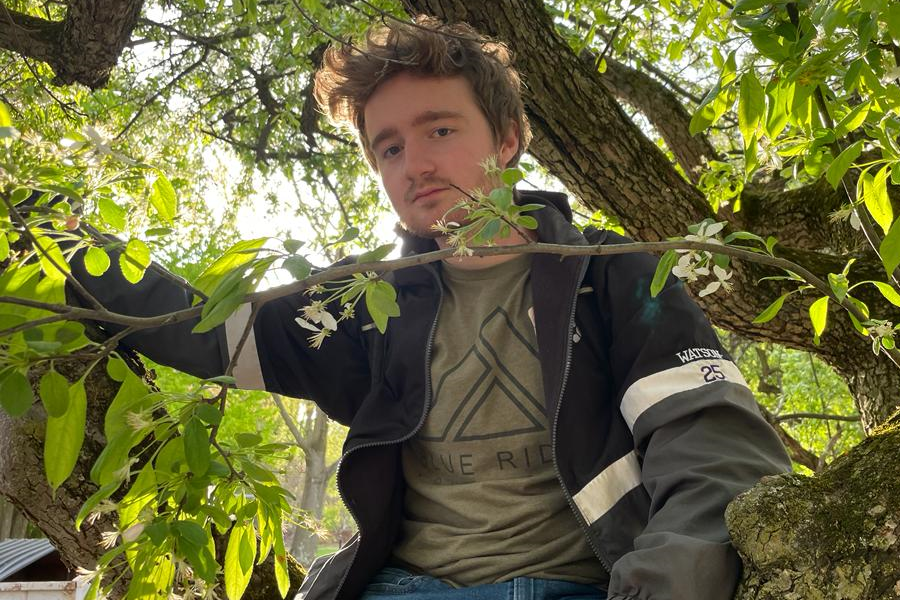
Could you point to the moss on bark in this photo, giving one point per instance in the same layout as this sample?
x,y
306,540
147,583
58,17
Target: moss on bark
x,y
833,536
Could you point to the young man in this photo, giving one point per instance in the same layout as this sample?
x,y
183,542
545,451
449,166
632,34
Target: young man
x,y
530,426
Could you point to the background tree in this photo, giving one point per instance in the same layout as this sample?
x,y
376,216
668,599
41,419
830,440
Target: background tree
x,y
656,116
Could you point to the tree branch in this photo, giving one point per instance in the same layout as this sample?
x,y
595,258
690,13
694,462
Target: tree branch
x,y
29,36
812,415
289,422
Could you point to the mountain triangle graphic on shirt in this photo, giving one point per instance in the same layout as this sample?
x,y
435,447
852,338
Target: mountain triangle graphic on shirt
x,y
470,395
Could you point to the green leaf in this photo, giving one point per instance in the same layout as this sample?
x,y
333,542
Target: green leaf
x,y
297,266
379,253
64,436
743,235
196,446
838,283
889,293
282,578
135,260
54,392
291,246
222,379
663,269
705,114
751,105
892,17
239,560
162,197
5,120
876,198
246,439
112,213
852,120
350,234
748,5
96,261
501,198
16,396
527,221
511,176
209,414
839,165
53,264
191,532
818,314
225,299
767,43
141,494
381,301
769,313
91,503
890,248
117,369
239,254
4,247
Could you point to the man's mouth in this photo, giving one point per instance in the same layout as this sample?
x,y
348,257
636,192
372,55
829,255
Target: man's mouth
x,y
426,192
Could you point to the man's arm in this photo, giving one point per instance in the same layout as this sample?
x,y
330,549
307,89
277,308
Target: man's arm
x,y
274,355
697,432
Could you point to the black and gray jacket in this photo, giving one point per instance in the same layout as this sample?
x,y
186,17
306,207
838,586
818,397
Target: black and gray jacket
x,y
654,430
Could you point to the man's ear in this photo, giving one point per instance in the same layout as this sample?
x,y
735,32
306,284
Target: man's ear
x,y
509,144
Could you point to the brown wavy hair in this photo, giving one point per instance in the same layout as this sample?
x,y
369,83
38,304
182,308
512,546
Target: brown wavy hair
x,y
426,47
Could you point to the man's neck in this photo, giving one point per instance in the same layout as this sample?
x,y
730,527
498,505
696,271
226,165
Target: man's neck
x,y
482,262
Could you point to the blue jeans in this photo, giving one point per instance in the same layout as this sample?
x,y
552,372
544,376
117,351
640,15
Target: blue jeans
x,y
391,582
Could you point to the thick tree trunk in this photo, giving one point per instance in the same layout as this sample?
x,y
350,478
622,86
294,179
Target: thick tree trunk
x,y
83,48
835,535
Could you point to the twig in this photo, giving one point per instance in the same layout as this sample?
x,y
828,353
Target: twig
x,y
31,325
314,25
289,421
820,416
829,447
137,114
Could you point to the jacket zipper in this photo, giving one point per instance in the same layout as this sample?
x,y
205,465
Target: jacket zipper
x,y
425,409
562,389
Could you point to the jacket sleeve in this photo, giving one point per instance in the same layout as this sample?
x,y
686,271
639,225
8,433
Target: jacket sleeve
x,y
698,435
275,354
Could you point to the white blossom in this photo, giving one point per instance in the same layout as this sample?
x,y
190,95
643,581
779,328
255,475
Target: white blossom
x,y
688,269
84,576
108,539
707,232
722,277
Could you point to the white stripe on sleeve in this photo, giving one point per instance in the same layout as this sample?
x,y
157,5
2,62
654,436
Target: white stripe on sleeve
x,y
247,371
602,492
649,391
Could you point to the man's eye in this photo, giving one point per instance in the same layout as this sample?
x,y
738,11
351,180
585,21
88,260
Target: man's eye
x,y
391,151
442,131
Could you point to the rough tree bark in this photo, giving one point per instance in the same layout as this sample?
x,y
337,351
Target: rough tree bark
x,y
82,48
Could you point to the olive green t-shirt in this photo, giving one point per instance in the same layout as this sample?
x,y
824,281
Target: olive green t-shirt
x,y
483,503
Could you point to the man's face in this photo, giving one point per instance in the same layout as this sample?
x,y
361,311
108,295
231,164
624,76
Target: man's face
x,y
427,133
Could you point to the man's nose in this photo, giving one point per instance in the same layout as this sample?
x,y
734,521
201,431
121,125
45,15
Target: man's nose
x,y
419,162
